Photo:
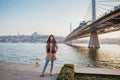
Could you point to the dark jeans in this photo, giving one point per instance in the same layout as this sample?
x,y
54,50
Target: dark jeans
x,y
46,63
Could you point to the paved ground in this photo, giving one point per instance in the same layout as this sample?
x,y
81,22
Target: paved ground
x,y
98,71
13,71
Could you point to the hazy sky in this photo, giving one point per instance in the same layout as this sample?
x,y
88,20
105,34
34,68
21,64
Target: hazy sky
x,y
44,16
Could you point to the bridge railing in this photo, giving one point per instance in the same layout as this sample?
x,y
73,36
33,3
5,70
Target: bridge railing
x,y
115,8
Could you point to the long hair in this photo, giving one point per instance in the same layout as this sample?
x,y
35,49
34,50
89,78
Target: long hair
x,y
49,40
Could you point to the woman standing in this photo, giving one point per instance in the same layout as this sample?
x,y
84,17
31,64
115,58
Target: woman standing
x,y
51,49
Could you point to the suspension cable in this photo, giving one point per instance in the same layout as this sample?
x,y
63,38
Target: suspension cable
x,y
105,4
108,1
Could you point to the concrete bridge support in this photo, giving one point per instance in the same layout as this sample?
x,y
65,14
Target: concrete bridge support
x,y
94,42
70,42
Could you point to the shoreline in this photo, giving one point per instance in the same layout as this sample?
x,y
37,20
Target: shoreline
x,y
13,71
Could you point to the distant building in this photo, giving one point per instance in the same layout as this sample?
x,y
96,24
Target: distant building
x,y
35,35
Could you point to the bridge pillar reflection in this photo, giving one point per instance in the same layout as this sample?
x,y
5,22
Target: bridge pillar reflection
x,y
94,42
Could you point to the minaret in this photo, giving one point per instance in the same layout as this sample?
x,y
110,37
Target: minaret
x,y
70,27
70,31
18,36
37,31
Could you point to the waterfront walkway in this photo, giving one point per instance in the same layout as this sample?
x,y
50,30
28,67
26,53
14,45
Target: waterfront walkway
x,y
13,71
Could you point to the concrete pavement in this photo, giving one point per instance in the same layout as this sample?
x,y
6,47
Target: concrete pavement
x,y
14,71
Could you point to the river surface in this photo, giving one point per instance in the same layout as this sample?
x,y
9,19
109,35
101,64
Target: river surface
x,y
108,56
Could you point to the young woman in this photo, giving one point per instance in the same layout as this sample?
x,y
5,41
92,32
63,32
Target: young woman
x,y
51,49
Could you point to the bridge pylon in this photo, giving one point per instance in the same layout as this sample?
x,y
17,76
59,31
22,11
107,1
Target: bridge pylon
x,y
94,42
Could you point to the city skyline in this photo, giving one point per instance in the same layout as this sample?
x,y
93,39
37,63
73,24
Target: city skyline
x,y
43,16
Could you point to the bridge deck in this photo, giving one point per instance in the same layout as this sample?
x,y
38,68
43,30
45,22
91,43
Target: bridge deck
x,y
105,24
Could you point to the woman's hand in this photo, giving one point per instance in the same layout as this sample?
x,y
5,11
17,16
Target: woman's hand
x,y
56,47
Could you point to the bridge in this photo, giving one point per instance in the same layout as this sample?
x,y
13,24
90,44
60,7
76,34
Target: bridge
x,y
109,22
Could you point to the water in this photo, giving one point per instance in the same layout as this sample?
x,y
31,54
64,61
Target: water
x,y
108,56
